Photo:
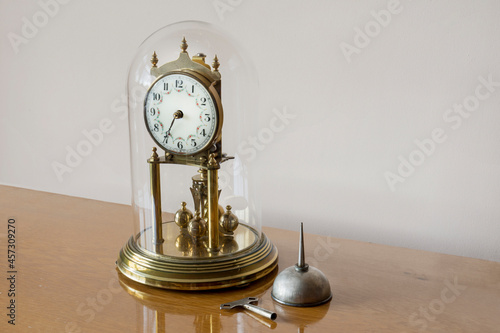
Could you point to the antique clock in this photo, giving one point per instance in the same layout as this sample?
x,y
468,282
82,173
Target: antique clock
x,y
191,231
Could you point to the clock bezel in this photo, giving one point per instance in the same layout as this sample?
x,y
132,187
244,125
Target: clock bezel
x,y
211,87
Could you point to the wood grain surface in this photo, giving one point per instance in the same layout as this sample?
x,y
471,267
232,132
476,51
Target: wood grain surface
x,y
66,281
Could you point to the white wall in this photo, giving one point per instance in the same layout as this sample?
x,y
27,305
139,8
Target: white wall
x,y
355,114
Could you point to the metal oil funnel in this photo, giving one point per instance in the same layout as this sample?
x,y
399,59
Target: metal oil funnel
x,y
301,285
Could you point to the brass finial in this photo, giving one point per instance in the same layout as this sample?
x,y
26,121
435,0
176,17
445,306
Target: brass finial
x,y
154,155
197,226
216,64
154,59
183,216
211,160
228,221
184,45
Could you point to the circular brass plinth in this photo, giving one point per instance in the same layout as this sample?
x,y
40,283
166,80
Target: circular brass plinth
x,y
197,273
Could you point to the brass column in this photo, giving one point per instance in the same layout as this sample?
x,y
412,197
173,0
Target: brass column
x,y
154,177
213,204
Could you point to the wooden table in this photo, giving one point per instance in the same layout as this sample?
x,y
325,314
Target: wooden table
x,y
65,281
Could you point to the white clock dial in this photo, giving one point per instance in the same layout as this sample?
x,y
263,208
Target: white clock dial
x,y
180,114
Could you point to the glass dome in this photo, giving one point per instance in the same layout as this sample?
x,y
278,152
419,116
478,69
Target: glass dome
x,y
197,216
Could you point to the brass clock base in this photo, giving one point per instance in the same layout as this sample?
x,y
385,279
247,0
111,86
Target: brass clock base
x,y
184,273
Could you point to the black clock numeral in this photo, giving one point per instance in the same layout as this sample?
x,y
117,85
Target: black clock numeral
x,y
192,89
207,117
193,143
156,96
156,127
152,112
180,145
203,132
203,101
165,138
165,85
179,84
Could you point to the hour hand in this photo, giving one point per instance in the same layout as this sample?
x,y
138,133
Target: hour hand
x,y
165,138
177,115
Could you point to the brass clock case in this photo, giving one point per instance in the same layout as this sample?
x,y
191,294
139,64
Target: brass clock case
x,y
178,195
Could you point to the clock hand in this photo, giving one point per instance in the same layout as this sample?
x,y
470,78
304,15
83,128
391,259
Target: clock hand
x,y
177,115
